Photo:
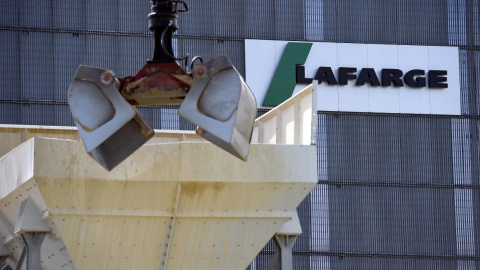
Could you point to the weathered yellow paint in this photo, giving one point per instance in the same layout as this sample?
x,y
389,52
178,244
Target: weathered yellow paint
x,y
223,210
176,203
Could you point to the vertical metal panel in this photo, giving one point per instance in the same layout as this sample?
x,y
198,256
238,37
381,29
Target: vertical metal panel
x,y
68,14
289,20
69,52
392,220
133,52
303,241
245,19
63,116
466,153
321,263
35,14
38,114
389,149
314,21
11,71
373,263
320,219
464,215
101,15
132,16
10,13
10,113
213,18
470,81
260,19
464,87
322,147
102,51
476,222
36,65
373,21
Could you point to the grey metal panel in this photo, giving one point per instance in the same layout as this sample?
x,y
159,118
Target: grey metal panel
x,y
170,119
374,263
68,14
213,18
320,219
470,81
314,20
63,116
289,20
165,117
132,16
402,22
465,151
476,222
9,14
133,52
426,148
245,19
475,151
322,147
102,15
10,113
35,14
389,149
228,20
259,19
472,22
464,222
36,65
392,220
38,114
304,211
10,73
102,51
69,52
456,21
464,86
321,262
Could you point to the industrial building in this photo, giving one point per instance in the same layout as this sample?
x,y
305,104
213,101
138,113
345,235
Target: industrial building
x,y
398,165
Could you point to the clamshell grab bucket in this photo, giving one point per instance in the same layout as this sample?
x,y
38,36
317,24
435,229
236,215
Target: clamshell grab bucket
x,y
221,105
110,128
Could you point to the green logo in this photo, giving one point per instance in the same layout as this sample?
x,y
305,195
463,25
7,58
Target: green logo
x,y
284,81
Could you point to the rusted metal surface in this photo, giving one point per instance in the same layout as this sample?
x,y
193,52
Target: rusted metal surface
x,y
157,83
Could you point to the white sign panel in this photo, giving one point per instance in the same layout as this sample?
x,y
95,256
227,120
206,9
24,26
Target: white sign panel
x,y
359,77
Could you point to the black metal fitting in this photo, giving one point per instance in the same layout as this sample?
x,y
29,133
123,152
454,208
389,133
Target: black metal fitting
x,y
162,21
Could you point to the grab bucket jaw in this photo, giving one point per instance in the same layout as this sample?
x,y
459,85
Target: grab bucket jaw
x,y
221,105
110,128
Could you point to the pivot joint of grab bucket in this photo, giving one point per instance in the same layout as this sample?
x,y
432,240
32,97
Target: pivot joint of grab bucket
x,y
214,97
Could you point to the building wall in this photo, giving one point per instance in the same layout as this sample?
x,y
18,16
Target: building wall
x,y
394,192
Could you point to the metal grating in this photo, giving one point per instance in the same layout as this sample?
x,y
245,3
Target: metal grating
x,y
411,178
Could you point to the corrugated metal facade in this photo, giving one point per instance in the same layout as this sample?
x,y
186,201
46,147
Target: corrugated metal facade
x,y
394,192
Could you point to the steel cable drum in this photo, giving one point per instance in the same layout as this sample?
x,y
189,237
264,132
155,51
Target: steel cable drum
x,y
221,105
110,128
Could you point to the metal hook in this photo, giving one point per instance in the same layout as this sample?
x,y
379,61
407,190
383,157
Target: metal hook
x,y
195,59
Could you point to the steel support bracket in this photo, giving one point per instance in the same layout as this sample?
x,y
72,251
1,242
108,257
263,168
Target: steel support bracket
x,y
284,240
33,243
33,231
30,219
